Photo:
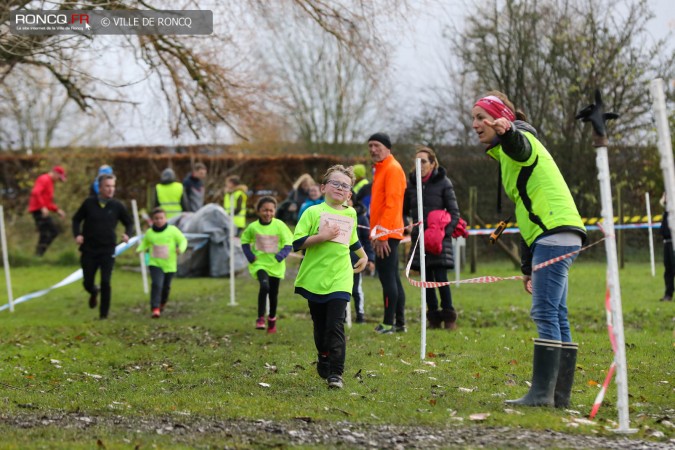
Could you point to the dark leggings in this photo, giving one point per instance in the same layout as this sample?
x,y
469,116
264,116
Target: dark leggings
x,y
91,262
392,289
669,267
48,231
268,286
329,332
161,286
439,275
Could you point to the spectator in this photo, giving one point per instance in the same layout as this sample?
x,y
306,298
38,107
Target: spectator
x,y
314,198
97,239
288,209
235,192
103,170
170,195
438,196
668,257
41,203
193,186
550,227
386,213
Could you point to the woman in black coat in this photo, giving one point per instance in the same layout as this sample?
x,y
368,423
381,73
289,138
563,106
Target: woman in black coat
x,y
437,194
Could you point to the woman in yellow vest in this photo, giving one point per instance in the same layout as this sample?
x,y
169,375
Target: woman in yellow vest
x,y
169,194
235,192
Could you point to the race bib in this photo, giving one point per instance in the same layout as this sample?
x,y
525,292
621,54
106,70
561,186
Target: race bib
x,y
267,243
345,224
160,251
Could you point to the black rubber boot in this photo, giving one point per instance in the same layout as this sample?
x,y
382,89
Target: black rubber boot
x,y
434,319
449,317
568,362
545,364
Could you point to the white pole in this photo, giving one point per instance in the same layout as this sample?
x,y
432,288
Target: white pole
x,y
141,257
651,237
5,260
665,148
458,260
232,227
602,162
423,270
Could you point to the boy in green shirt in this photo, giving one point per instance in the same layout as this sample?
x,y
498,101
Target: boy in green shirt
x,y
266,244
327,233
164,242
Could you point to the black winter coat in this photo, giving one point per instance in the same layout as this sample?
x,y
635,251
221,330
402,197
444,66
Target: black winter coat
x,y
437,193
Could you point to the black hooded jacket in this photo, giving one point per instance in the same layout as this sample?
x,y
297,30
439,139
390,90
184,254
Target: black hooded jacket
x,y
437,193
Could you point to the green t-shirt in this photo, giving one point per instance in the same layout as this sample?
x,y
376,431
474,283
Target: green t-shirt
x,y
162,247
327,267
265,237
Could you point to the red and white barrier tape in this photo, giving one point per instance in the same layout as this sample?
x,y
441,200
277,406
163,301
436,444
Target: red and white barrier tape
x,y
489,278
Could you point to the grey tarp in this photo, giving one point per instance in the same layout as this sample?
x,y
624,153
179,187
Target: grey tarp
x,y
208,256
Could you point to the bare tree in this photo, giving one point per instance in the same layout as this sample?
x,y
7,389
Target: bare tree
x,y
549,55
205,81
323,90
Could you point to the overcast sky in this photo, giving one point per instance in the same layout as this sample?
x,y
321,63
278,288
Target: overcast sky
x,y
418,63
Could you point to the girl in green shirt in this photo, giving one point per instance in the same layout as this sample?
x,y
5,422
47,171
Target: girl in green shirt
x,y
327,233
266,244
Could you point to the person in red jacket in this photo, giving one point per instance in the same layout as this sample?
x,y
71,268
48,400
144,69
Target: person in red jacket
x,y
41,203
386,213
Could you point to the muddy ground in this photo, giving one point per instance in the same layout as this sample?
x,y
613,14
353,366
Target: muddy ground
x,y
304,432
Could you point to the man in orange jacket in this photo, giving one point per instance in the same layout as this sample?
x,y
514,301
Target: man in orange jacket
x,y
386,213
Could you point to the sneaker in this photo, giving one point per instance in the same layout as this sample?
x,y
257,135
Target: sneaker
x,y
271,325
93,298
323,366
384,329
360,318
260,323
156,313
666,298
400,329
335,382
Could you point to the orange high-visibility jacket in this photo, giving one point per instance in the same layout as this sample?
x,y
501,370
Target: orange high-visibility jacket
x,y
386,204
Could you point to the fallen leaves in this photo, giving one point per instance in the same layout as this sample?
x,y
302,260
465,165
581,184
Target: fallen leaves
x,y
265,385
479,417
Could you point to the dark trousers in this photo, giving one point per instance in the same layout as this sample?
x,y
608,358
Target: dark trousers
x,y
268,286
669,267
439,275
161,287
358,295
392,289
47,229
329,332
91,262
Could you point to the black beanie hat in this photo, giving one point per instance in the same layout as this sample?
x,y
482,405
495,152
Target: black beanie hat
x,y
382,138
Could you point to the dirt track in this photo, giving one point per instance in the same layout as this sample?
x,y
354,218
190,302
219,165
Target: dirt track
x,y
257,434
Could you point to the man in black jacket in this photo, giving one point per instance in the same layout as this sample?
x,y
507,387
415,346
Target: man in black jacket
x,y
97,239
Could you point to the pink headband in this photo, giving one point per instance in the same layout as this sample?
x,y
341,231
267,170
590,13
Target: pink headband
x,y
495,107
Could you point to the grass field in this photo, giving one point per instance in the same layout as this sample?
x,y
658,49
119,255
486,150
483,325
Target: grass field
x,y
204,360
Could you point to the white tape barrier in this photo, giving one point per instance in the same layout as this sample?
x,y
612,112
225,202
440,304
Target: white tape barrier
x,y
72,278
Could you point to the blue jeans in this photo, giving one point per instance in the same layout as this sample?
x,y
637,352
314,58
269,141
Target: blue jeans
x,y
549,292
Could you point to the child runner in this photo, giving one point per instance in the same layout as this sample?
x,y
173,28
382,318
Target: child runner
x,y
164,242
266,244
327,233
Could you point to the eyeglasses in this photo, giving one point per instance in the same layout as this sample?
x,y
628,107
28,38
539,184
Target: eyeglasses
x,y
337,185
